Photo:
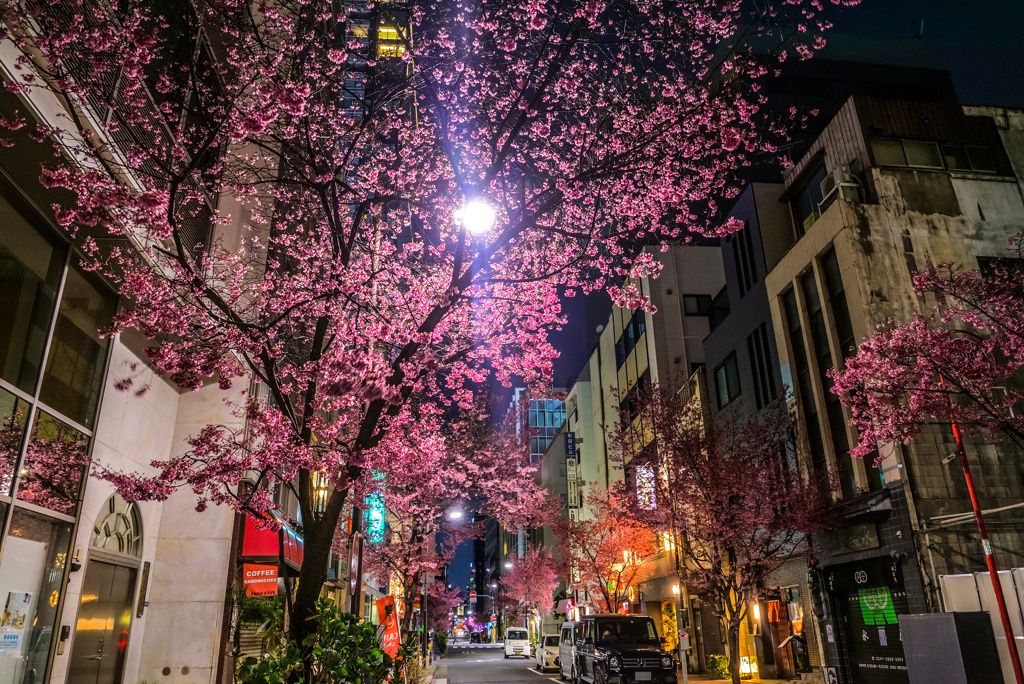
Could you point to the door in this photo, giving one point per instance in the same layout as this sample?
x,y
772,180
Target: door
x,y
101,633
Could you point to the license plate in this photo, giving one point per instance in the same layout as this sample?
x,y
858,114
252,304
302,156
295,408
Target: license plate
x,y
641,676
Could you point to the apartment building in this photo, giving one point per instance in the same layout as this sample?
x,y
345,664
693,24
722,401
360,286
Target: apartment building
x,y
890,186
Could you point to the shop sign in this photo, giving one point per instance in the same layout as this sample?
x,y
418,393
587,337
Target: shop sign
x,y
390,638
572,483
375,518
854,538
14,621
259,580
570,443
877,572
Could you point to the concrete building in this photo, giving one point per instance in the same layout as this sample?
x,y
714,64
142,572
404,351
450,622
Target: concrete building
x,y
635,350
101,590
890,186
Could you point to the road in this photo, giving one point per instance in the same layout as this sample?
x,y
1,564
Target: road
x,y
486,664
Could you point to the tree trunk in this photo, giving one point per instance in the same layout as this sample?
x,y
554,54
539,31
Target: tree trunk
x,y
316,555
734,653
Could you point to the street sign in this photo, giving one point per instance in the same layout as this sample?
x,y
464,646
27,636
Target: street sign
x,y
572,483
570,443
831,676
472,596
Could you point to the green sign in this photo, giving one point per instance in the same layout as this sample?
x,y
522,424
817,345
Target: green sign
x,y
876,606
375,519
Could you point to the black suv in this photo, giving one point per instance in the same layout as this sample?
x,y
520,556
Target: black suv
x,y
621,649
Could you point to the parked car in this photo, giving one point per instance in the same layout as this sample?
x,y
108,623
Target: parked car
x,y
616,649
517,642
547,652
567,652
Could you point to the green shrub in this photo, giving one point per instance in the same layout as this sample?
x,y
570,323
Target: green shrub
x,y
718,667
341,649
442,641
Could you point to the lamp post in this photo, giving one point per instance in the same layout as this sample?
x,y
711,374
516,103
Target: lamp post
x,y
986,545
477,216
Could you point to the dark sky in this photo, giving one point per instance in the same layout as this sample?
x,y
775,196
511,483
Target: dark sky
x,y
977,41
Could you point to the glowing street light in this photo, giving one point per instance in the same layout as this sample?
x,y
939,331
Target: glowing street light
x,y
478,216
455,514
508,564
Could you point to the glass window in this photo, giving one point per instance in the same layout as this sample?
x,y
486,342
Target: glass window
x,y
806,200
921,153
31,262
13,416
626,631
956,158
696,305
74,367
888,152
727,381
981,158
55,462
31,579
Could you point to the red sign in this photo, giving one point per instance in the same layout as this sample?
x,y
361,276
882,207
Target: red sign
x,y
265,544
391,638
259,580
472,595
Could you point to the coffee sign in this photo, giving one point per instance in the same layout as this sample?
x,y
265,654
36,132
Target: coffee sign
x,y
259,580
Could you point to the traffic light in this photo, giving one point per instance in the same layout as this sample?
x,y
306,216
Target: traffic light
x,y
817,588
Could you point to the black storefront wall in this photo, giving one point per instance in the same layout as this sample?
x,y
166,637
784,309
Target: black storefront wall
x,y
868,595
891,563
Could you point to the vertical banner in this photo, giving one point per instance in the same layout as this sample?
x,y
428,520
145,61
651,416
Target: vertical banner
x,y
390,638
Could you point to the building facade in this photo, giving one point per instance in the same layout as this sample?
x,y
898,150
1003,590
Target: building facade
x,y
890,187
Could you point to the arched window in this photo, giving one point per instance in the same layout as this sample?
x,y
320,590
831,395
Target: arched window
x,y
118,528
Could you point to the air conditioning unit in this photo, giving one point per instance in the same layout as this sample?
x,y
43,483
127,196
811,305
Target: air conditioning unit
x,y
828,186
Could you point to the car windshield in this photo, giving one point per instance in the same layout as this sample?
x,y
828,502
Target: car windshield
x,y
516,634
626,631
551,641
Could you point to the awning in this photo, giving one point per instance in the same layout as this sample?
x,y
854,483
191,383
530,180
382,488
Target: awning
x,y
266,546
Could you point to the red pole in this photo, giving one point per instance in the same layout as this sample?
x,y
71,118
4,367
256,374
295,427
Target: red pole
x,y
990,559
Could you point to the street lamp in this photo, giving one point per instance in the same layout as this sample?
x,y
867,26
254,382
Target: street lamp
x,y
508,564
477,216
455,514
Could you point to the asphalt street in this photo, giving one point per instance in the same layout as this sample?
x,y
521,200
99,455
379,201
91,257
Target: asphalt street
x,y
486,664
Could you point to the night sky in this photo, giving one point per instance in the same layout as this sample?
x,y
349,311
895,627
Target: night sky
x,y
978,42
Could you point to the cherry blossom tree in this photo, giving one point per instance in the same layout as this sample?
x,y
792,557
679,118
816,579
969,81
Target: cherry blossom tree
x,y
475,460
398,194
608,551
727,495
532,580
441,604
959,361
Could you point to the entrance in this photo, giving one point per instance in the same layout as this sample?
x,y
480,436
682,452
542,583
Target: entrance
x,y
105,614
101,634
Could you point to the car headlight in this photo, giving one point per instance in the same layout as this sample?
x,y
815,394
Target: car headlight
x,y
614,663
666,662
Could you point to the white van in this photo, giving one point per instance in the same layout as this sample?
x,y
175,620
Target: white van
x,y
567,652
547,652
517,642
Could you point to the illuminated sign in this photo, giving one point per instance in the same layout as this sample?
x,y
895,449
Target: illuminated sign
x,y
645,484
375,519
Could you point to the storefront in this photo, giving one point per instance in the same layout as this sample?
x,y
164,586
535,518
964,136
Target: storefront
x,y
867,596
52,362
